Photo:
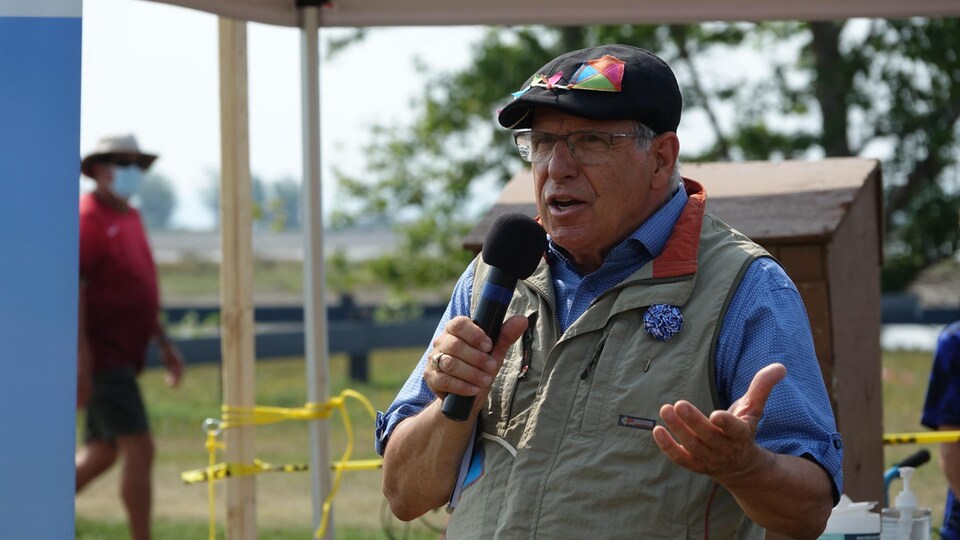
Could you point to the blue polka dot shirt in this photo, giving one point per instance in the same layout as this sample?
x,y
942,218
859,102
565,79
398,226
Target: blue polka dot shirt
x,y
942,408
765,323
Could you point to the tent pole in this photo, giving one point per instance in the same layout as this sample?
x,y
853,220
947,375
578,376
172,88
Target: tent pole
x,y
315,305
236,271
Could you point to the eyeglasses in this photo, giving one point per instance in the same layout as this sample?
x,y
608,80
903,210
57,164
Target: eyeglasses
x,y
587,147
124,162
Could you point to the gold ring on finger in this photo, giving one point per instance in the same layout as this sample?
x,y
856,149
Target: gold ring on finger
x,y
435,359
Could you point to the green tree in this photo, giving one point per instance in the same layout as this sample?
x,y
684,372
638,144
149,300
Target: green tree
x,y
285,204
157,201
836,89
893,83
261,212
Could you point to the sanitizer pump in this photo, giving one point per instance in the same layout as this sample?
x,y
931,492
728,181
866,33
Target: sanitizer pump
x,y
905,521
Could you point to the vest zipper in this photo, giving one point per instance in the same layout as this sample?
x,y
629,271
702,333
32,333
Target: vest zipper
x,y
527,344
596,357
645,281
546,299
525,358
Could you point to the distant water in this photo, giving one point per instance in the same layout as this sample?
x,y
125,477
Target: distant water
x,y
916,337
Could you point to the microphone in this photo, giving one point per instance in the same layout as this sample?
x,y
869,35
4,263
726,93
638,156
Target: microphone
x,y
512,249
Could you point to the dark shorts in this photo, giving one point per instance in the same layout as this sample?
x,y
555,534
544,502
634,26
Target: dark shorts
x,y
115,407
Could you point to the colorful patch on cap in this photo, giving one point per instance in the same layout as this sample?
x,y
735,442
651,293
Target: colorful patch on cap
x,y
604,74
519,93
552,81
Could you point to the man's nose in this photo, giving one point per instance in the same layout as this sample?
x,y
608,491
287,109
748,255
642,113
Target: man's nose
x,y
562,164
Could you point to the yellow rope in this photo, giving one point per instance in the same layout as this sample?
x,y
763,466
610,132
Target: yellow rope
x,y
227,470
260,415
212,446
924,437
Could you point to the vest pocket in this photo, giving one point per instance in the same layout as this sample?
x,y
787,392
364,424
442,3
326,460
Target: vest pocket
x,y
623,384
593,381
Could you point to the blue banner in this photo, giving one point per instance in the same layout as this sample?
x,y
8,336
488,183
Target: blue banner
x,y
39,166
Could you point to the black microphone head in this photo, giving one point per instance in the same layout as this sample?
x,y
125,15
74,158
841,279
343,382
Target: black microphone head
x,y
515,244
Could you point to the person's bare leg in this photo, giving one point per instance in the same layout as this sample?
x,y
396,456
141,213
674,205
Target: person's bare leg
x,y
92,460
135,483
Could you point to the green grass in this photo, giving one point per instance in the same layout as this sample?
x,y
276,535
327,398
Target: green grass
x,y
189,279
905,375
194,278
170,530
283,499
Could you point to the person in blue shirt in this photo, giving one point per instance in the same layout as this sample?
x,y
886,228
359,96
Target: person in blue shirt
x,y
599,129
941,411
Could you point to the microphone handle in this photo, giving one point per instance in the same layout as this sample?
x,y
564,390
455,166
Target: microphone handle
x,y
489,315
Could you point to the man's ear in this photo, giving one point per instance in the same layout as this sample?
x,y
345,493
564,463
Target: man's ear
x,y
665,149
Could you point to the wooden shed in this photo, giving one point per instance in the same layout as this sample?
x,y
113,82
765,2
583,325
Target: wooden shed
x,y
822,220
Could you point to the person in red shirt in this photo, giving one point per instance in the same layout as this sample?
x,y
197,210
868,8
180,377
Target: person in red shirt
x,y
118,316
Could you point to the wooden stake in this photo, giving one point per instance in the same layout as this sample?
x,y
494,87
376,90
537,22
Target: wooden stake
x,y
236,271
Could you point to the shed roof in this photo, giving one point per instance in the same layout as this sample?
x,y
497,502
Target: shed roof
x,y
782,202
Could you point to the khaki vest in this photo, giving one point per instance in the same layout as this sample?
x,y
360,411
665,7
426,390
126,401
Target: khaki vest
x,y
565,451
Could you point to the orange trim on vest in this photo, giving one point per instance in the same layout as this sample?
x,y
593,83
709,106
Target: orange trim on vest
x,y
679,257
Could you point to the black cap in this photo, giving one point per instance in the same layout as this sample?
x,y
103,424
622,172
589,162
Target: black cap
x,y
608,82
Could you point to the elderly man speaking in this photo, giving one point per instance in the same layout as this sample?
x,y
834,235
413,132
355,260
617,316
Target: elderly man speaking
x,y
654,378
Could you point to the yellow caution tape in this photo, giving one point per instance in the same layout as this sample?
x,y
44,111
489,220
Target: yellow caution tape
x,y
924,437
358,465
228,470
260,415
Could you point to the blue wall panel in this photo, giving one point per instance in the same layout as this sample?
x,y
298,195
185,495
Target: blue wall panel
x,y
39,166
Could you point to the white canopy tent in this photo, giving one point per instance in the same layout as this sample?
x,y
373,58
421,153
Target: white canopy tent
x,y
237,306
564,12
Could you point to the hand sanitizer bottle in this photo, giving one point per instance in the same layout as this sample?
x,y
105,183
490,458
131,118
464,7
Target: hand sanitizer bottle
x,y
905,521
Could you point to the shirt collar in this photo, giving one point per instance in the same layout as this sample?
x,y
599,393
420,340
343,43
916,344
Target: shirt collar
x,y
654,232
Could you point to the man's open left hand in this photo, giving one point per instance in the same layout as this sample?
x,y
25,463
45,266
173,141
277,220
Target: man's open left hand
x,y
721,446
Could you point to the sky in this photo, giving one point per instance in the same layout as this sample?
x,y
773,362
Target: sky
x,y
151,69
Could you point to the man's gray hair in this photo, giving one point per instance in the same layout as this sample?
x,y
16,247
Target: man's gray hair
x,y
645,136
675,178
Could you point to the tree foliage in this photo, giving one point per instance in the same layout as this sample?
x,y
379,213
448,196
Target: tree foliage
x,y
284,204
157,201
835,88
276,205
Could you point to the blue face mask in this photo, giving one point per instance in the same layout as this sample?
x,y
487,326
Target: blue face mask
x,y
127,181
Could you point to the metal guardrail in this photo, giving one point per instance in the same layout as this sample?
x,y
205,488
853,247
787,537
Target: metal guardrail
x,y
280,333
906,309
354,331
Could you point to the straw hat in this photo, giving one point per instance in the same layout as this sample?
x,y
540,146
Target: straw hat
x,y
113,146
